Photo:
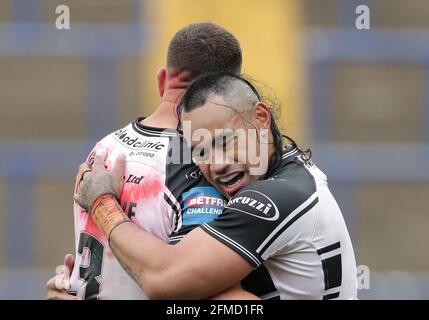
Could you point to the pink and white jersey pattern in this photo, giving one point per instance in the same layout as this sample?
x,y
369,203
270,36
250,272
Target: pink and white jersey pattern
x,y
97,273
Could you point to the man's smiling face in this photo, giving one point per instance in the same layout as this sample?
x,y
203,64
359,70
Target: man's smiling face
x,y
225,155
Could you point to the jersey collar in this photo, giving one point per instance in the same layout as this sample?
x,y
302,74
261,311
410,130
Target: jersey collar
x,y
153,131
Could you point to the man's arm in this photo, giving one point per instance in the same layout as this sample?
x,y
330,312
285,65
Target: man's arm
x,y
235,293
197,267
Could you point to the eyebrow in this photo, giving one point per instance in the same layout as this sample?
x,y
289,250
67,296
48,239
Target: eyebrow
x,y
219,137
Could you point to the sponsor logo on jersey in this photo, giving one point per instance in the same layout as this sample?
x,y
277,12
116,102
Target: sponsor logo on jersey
x,y
201,204
206,201
254,203
141,153
194,174
136,142
134,179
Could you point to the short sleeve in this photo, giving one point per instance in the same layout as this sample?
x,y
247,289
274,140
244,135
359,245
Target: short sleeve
x,y
257,220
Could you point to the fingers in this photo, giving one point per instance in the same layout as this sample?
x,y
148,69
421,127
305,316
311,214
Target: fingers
x,y
69,261
61,283
55,290
79,200
118,166
76,197
99,159
68,264
61,295
50,284
62,278
83,168
100,181
56,286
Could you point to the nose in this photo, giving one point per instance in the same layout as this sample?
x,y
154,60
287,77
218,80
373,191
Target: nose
x,y
220,163
218,169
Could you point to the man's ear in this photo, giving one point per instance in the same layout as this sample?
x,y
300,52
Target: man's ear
x,y
161,76
262,115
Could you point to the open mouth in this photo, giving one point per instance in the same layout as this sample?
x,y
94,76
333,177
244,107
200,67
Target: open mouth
x,y
231,181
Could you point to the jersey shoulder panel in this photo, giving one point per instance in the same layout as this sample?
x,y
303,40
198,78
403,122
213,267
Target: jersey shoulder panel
x,y
276,197
262,211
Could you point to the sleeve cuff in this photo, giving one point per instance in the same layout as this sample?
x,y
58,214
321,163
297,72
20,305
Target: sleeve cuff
x,y
243,252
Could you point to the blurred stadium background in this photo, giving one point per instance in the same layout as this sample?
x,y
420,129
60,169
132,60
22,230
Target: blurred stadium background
x,y
359,99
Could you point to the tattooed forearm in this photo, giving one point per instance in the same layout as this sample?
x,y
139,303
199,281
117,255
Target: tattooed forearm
x,y
133,274
137,252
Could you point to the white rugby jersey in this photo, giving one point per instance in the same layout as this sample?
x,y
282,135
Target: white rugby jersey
x,y
165,199
290,228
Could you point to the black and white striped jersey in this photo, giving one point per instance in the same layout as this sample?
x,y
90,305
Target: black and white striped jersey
x,y
290,228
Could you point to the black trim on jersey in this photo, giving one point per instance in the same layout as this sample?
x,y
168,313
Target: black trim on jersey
x,y
176,173
246,254
332,271
331,296
183,231
283,198
329,248
175,177
174,208
180,178
153,131
259,282
289,151
332,268
289,223
176,239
